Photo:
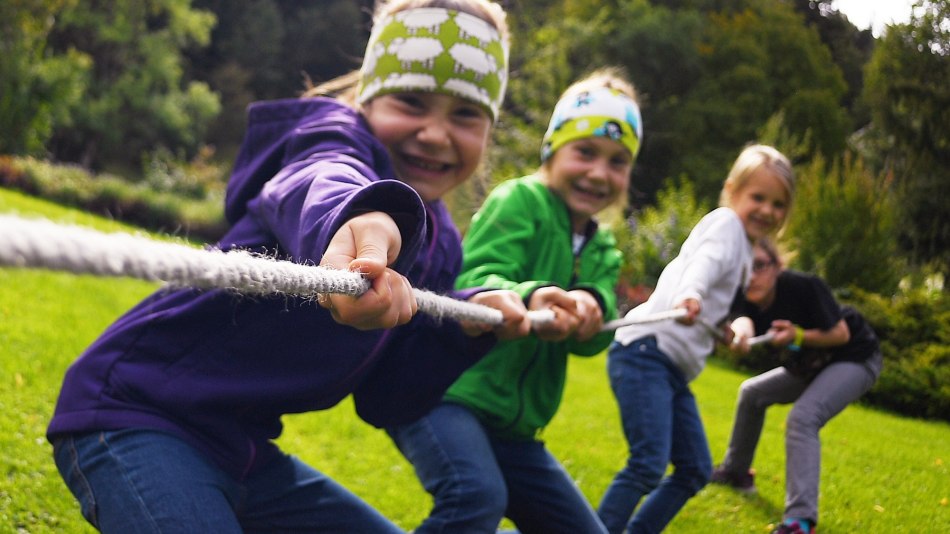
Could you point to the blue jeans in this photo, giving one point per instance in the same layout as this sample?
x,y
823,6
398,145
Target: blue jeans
x,y
476,479
144,481
662,425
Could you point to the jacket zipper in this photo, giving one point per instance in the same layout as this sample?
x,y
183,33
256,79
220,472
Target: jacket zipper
x,y
536,355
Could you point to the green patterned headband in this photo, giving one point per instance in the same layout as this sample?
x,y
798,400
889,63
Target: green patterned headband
x,y
599,112
436,50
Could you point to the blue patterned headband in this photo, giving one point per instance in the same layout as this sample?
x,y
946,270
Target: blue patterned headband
x,y
599,112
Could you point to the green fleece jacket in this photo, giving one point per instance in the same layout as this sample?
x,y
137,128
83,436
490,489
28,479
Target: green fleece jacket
x,y
520,240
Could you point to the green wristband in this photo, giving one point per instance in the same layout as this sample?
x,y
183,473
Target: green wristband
x,y
796,344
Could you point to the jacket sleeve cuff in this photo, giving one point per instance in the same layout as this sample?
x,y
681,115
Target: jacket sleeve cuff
x,y
400,202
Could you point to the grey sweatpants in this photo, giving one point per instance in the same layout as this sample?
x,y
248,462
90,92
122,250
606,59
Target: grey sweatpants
x,y
816,402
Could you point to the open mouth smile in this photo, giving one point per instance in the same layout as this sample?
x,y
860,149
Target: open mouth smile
x,y
590,193
427,164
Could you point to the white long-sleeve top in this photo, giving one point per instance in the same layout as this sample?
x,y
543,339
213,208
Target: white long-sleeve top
x,y
713,263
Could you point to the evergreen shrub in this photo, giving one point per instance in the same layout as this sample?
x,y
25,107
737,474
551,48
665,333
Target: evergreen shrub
x,y
843,226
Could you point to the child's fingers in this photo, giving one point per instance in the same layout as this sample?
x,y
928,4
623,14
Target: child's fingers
x,y
371,260
370,267
591,321
783,332
564,324
388,303
590,318
366,243
376,238
400,302
692,307
550,296
341,250
514,323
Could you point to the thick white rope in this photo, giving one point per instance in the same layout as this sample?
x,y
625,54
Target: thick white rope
x,y
44,244
675,313
764,338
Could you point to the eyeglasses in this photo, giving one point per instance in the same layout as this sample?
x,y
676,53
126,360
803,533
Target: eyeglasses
x,y
760,265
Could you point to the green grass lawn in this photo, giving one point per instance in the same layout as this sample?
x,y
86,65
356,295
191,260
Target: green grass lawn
x,y
881,472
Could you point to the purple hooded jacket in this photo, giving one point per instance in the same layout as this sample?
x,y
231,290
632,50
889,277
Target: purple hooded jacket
x,y
219,369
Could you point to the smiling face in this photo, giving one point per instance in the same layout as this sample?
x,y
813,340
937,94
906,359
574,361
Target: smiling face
x,y
588,174
761,202
436,141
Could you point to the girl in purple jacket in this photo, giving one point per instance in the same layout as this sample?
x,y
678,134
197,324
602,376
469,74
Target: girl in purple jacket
x,y
166,423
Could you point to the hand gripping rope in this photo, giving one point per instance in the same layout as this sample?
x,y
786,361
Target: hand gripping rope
x,y
43,244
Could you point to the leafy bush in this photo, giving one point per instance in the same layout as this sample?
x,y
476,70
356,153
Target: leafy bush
x,y
109,195
653,236
843,226
196,179
914,328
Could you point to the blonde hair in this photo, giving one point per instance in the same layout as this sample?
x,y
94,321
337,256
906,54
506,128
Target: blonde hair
x,y
751,159
346,87
610,77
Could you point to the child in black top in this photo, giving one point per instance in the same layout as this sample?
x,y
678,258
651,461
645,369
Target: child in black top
x,y
831,357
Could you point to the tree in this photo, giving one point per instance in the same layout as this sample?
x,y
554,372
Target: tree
x,y
850,48
756,62
266,49
37,87
907,87
137,100
710,72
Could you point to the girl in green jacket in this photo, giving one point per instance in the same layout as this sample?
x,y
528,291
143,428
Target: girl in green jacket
x,y
478,452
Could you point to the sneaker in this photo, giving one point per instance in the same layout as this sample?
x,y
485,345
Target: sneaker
x,y
744,482
795,526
